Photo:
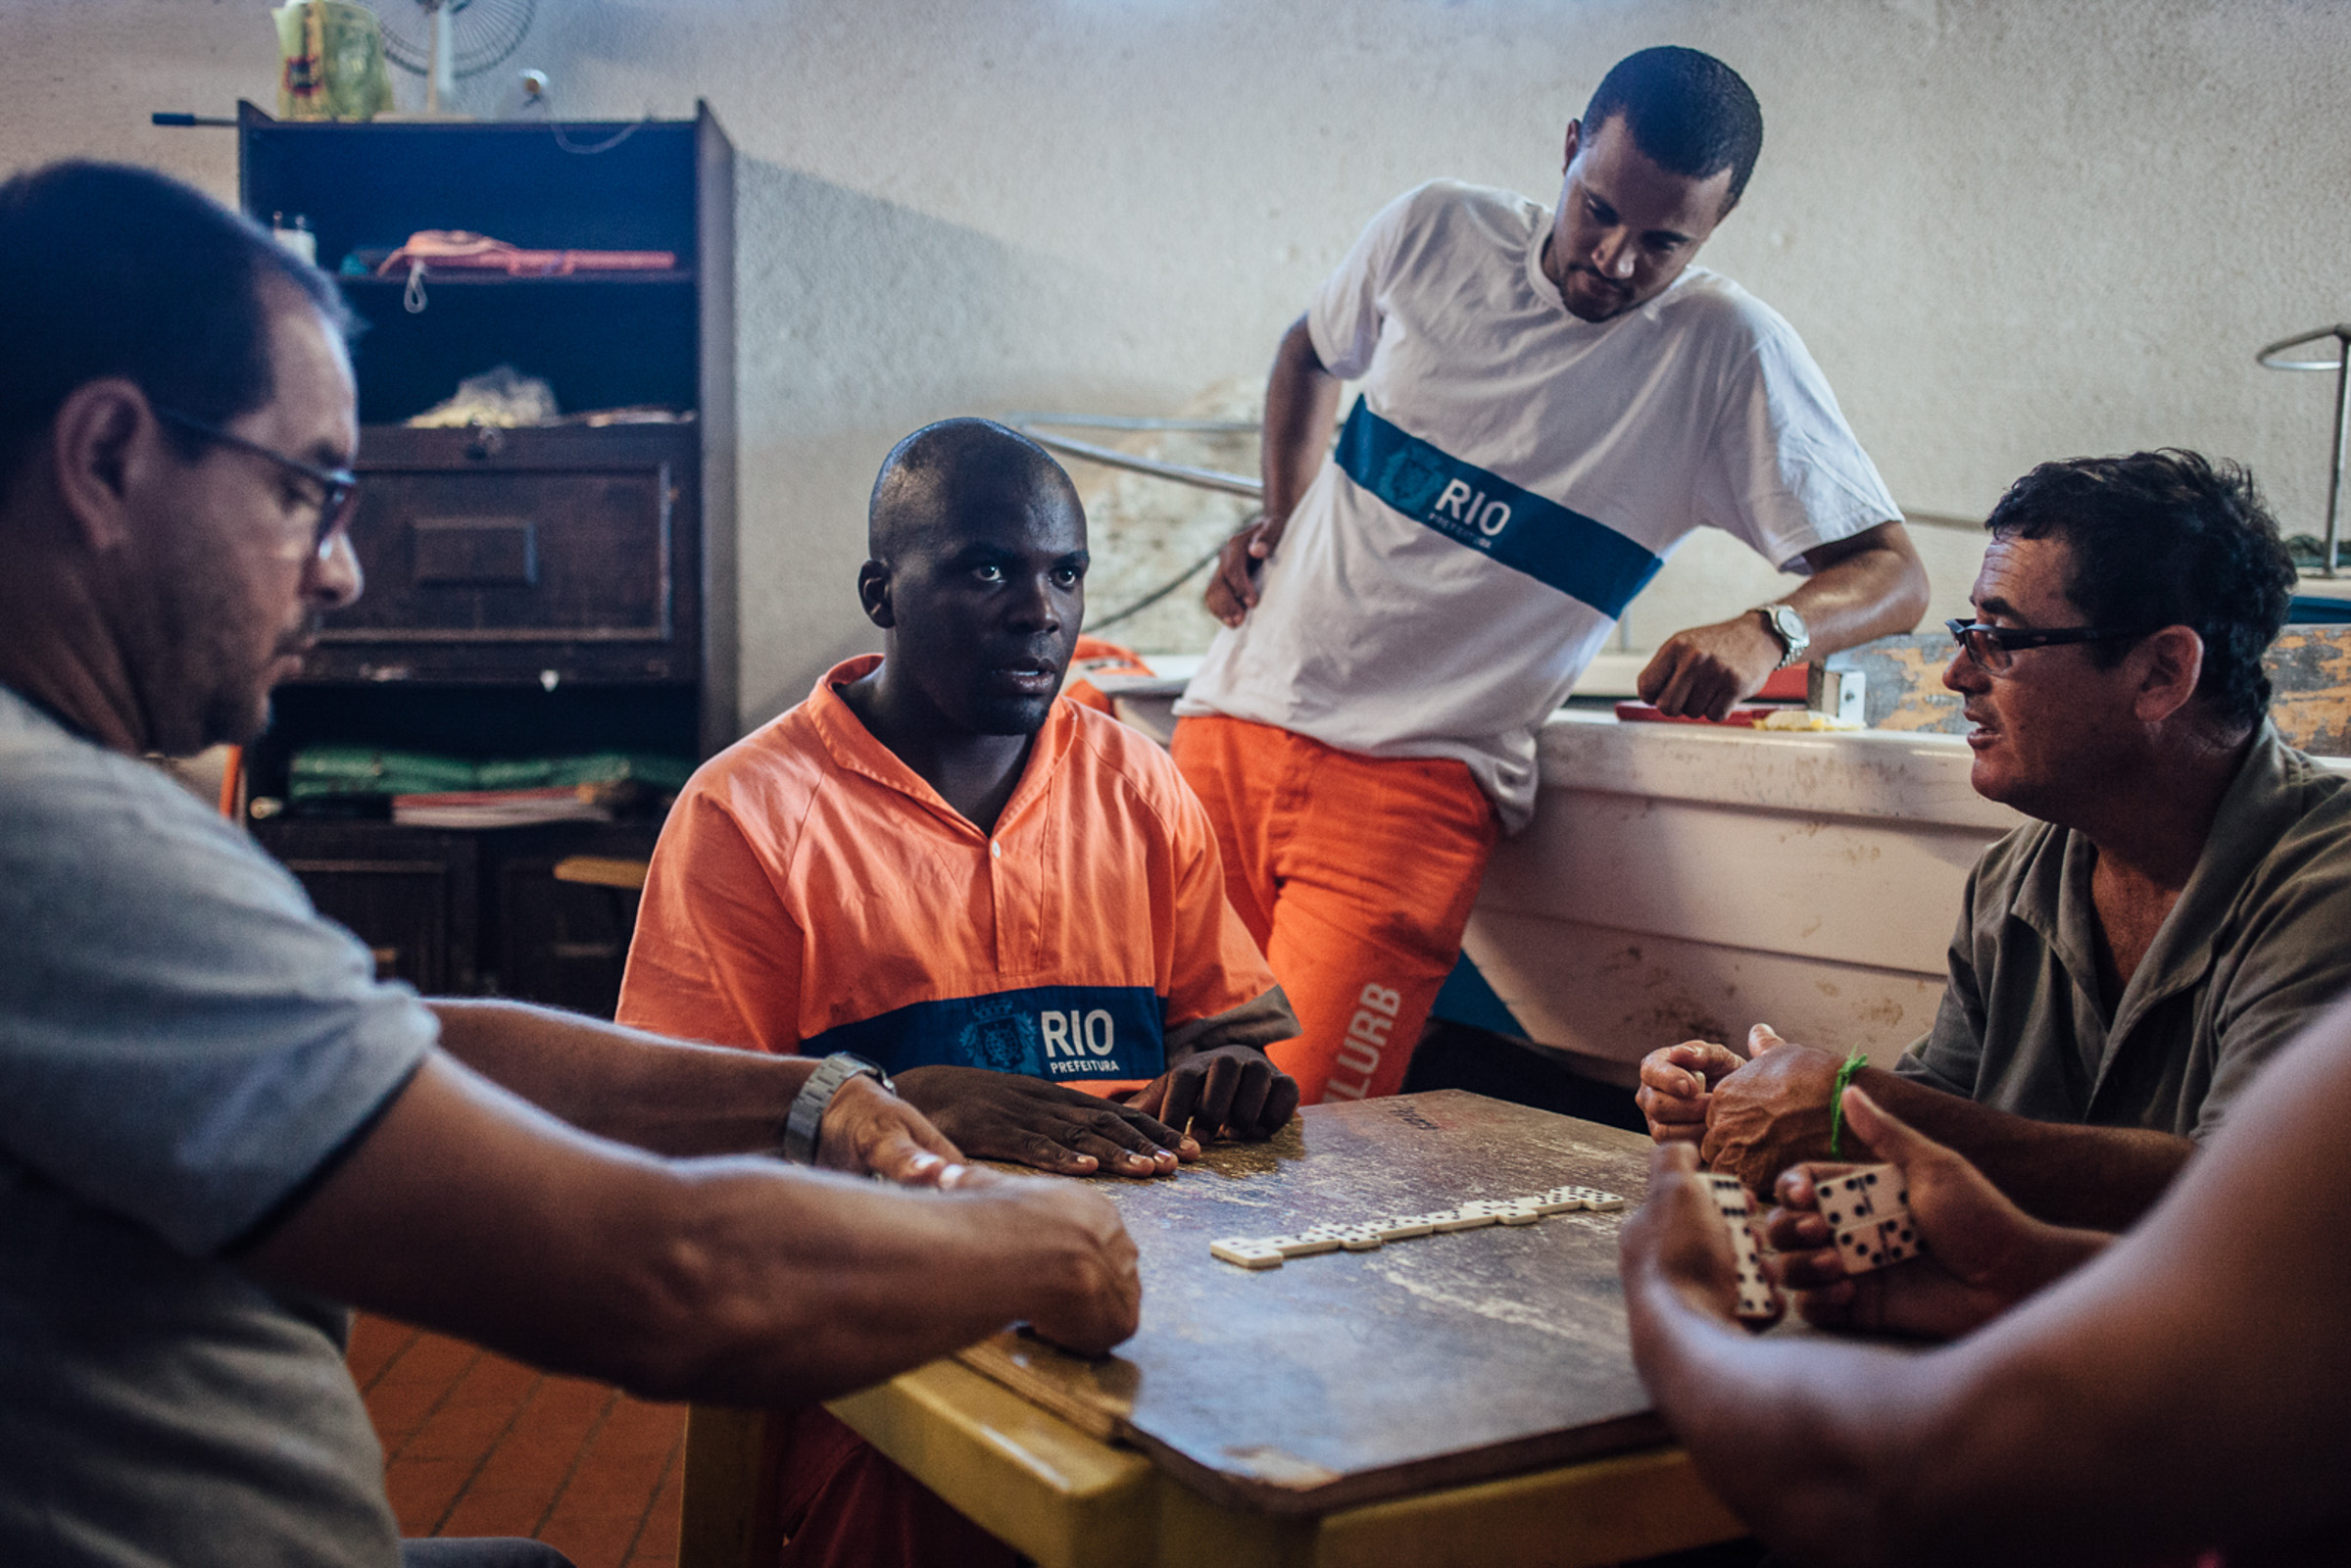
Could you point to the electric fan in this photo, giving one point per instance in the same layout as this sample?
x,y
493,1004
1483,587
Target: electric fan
x,y
442,40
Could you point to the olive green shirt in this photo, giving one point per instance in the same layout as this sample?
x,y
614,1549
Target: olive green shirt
x,y
2258,943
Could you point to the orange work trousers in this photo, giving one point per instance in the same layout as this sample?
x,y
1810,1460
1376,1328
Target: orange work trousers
x,y
832,1500
1355,875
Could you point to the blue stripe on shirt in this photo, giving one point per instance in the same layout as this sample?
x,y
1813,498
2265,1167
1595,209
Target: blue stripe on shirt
x,y
1581,556
1068,1034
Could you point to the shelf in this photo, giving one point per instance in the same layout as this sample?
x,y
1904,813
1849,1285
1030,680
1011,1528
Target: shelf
x,y
581,134
565,589
677,277
535,186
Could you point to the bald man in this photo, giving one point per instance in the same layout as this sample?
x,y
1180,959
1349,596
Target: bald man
x,y
1009,903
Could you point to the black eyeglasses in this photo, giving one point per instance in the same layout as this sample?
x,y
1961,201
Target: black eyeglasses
x,y
1996,648
338,488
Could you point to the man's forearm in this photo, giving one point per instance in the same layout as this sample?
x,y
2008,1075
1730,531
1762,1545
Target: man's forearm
x,y
734,1280
1836,1452
1870,586
1256,1023
1769,1422
1302,403
798,1293
624,1084
1863,587
2103,1178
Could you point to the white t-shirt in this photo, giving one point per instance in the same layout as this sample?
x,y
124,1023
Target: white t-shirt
x,y
1511,476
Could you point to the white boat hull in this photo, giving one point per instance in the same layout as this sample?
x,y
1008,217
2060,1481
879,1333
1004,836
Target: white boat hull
x,y
1684,883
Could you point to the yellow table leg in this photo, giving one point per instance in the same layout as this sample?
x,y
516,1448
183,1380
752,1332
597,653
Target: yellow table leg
x,y
722,1462
1026,1477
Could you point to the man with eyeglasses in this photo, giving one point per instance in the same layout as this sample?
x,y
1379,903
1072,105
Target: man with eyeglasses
x,y
328,495
218,1129
2124,965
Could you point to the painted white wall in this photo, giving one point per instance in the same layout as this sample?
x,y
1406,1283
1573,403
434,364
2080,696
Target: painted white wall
x,y
2009,230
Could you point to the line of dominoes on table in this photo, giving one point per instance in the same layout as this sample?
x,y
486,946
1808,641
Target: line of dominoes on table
x,y
1363,1236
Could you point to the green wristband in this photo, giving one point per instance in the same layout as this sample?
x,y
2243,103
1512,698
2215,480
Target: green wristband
x,y
1836,1100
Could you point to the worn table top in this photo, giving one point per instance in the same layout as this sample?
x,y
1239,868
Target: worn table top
x,y
1346,1377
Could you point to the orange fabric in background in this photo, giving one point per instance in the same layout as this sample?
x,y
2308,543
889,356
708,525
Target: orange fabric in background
x,y
1092,656
1355,874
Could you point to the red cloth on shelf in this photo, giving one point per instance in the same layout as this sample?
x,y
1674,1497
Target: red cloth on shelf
x,y
455,250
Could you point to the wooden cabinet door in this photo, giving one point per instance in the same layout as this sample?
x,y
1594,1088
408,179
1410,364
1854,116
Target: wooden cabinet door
x,y
521,556
412,896
559,942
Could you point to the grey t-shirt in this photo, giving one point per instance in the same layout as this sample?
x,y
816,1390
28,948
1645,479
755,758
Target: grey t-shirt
x,y
184,1044
2256,949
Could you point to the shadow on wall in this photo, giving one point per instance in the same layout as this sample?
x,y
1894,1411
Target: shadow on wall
x,y
860,320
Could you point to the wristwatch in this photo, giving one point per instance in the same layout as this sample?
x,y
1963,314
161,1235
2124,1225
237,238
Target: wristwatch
x,y
1782,622
807,1115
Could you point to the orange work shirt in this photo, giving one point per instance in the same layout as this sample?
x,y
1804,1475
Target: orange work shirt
x,y
811,893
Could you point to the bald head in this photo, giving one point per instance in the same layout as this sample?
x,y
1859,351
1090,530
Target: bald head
x,y
946,478
977,576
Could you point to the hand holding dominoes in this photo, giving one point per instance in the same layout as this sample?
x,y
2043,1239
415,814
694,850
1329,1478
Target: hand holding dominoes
x,y
1970,1253
1690,1219
1868,1212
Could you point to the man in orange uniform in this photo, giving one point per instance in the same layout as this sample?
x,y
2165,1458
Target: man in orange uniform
x,y
1551,400
992,894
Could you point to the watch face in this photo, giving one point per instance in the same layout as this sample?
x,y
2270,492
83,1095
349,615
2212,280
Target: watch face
x,y
1789,627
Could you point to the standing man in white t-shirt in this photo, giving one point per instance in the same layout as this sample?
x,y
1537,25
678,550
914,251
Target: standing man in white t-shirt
x,y
1550,402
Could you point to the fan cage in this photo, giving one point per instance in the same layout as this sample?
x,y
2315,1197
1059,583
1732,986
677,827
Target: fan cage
x,y
482,32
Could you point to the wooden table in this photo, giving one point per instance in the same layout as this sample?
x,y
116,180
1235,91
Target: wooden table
x,y
1466,1398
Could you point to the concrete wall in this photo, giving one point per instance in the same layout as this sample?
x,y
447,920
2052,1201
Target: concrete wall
x,y
2008,228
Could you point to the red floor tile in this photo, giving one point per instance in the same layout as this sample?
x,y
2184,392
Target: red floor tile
x,y
589,1543
657,1541
430,1359
639,1429
399,1411
476,1444
494,1380
423,1491
460,1432
374,1343
488,1511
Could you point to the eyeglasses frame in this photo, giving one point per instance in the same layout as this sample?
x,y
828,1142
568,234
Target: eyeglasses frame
x,y
340,485
2013,640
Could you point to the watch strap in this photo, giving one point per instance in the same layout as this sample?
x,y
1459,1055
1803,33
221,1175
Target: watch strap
x,y
803,1122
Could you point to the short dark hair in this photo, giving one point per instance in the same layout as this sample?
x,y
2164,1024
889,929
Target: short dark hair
x,y
107,269
2167,538
1688,113
966,451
